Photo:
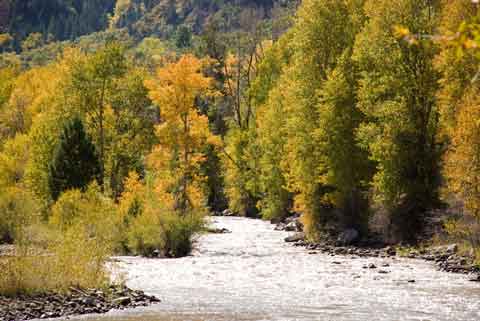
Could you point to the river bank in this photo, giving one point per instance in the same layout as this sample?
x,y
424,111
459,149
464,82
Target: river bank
x,y
76,302
446,258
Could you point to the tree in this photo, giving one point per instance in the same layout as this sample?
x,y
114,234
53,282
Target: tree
x,y
324,31
93,81
271,95
459,105
346,167
130,132
76,163
397,95
241,152
183,133
183,37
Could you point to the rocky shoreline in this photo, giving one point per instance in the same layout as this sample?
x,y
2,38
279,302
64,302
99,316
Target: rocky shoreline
x,y
446,258
76,302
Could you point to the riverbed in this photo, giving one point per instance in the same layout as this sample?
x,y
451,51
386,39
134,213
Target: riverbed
x,y
252,275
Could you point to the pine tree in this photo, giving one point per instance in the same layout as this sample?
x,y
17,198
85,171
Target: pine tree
x,y
75,163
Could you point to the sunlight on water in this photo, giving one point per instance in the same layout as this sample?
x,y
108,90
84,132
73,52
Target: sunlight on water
x,y
252,275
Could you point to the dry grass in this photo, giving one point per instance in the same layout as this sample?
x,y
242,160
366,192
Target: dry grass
x,y
73,259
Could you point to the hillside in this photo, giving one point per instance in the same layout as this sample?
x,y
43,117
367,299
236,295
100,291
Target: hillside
x,y
60,20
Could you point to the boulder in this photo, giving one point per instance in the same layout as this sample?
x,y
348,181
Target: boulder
x,y
295,237
227,212
348,237
292,227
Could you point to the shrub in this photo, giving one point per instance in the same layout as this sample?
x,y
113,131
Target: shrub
x,y
18,209
465,230
164,230
151,225
95,212
178,232
72,258
72,250
145,233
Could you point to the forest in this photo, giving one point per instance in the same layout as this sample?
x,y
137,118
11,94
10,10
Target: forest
x,y
123,124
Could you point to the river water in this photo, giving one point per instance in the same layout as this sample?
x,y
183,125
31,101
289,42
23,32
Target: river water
x,y
252,274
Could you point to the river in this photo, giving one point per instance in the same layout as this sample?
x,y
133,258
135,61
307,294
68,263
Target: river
x,y
252,274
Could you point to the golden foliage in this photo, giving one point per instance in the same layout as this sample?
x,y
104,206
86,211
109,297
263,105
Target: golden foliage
x,y
182,134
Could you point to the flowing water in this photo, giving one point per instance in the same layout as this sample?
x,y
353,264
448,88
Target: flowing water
x,y
252,274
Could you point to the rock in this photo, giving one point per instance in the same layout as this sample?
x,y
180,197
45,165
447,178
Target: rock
x,y
280,227
445,250
77,302
218,231
348,237
411,281
276,220
295,238
476,279
227,212
372,266
383,272
88,301
390,251
291,227
453,248
122,300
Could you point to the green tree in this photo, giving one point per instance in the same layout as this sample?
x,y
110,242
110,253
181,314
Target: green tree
x,y
94,82
397,94
183,37
322,34
270,94
76,162
346,167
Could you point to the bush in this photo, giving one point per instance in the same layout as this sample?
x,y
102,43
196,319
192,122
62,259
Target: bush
x,y
72,258
95,212
18,209
72,250
466,231
151,226
178,232
165,231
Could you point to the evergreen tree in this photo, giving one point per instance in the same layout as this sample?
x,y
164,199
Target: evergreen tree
x,y
75,163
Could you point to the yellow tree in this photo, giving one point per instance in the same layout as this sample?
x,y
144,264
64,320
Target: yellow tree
x,y
459,101
183,133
